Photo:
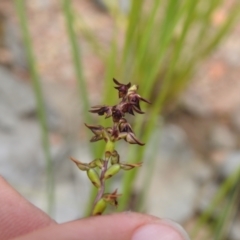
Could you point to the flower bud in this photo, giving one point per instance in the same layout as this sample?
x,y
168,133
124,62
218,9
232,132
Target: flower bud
x,y
94,178
129,166
109,147
114,169
99,207
115,157
81,166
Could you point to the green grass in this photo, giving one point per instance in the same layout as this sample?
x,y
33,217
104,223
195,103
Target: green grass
x,y
77,60
41,111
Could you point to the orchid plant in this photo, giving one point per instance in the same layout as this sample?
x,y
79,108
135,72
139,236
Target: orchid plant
x,y
120,129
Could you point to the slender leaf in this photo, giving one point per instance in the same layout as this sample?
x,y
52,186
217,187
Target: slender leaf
x,y
41,111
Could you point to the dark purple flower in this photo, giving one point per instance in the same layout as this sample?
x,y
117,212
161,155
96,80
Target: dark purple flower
x,y
130,108
117,113
99,133
135,99
101,110
122,88
124,126
130,138
127,107
115,132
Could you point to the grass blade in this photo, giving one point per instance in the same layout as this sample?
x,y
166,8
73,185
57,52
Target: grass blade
x,y
21,11
222,227
83,93
228,184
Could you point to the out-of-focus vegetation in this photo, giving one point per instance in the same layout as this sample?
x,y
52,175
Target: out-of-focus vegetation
x,y
164,41
41,111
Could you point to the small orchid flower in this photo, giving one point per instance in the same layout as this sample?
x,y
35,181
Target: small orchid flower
x,y
101,169
122,88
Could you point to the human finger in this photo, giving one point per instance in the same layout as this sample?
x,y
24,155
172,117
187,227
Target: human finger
x,y
124,226
17,215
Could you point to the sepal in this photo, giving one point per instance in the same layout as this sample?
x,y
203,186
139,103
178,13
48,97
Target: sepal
x,y
101,110
80,165
99,133
131,138
129,166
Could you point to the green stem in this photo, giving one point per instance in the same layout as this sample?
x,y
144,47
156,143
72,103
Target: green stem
x,y
76,54
109,148
21,11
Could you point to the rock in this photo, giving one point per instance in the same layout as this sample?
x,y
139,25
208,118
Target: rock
x,y
22,160
17,100
53,118
8,120
13,42
230,164
208,93
15,94
173,188
71,200
201,171
235,119
20,139
220,137
73,186
171,195
235,229
206,194
174,144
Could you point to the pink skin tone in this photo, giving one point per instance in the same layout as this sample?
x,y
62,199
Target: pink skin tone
x,y
20,220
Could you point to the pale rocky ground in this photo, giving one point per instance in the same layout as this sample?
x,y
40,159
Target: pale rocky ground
x,y
197,146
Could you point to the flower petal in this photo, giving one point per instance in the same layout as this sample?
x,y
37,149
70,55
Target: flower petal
x,y
131,138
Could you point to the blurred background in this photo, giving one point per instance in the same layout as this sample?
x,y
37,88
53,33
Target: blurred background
x,y
58,58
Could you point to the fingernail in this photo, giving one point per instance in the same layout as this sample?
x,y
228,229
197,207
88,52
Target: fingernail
x,y
164,230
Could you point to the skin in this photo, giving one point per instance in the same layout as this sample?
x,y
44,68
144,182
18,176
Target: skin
x,y
20,220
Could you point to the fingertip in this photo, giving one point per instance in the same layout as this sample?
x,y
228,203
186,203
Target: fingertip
x,y
156,231
127,226
177,227
150,226
17,215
